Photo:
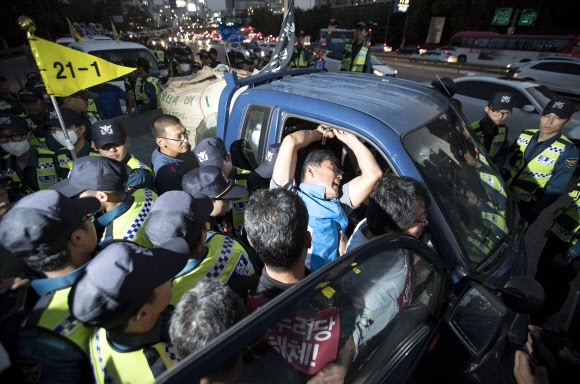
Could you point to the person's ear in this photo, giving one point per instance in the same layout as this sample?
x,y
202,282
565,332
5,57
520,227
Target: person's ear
x,y
159,141
102,196
228,157
308,240
83,129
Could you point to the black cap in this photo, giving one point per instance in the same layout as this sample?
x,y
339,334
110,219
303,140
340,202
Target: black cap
x,y
43,221
213,50
33,76
210,151
14,123
501,101
93,173
300,33
178,214
562,108
30,94
108,132
210,181
121,278
204,54
195,64
361,25
266,169
69,116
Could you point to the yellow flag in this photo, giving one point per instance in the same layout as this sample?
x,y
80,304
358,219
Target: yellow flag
x,y
73,32
115,31
66,71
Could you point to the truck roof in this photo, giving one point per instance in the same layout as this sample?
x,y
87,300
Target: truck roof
x,y
386,99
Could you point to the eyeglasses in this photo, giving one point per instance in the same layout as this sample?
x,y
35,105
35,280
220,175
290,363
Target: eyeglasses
x,y
179,138
54,130
14,137
500,113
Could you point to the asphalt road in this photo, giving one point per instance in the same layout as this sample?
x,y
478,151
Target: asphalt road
x,y
15,69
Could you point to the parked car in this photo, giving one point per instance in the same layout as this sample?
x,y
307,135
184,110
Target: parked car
x,y
562,76
510,69
267,48
530,99
435,55
202,42
380,48
413,131
333,59
410,49
179,48
156,43
239,48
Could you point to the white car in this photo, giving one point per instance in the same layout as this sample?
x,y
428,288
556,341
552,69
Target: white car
x,y
562,76
238,47
332,62
435,55
530,99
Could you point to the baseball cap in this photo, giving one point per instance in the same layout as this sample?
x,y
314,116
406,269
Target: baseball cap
x,y
210,151
43,221
562,108
93,173
267,167
85,94
108,132
178,214
195,64
300,33
213,50
121,278
361,25
501,101
30,94
69,116
204,54
12,122
210,181
33,76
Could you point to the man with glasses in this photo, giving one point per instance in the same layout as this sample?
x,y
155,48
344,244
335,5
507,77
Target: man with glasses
x,y
491,131
542,161
29,168
172,141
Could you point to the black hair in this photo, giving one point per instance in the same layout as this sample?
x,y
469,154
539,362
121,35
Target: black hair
x,y
315,158
276,221
203,313
392,204
162,122
143,63
46,263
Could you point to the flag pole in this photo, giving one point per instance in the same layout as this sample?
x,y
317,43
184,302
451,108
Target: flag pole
x,y
27,24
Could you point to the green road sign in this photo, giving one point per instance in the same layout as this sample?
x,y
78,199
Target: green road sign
x,y
528,17
502,16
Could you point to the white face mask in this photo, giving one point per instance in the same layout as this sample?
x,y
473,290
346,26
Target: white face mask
x,y
184,67
16,148
59,136
164,73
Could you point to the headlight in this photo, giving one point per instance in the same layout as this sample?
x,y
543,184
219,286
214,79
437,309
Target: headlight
x,y
378,73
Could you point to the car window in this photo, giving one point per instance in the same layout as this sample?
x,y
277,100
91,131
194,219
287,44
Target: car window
x,y
484,90
255,129
376,61
334,55
471,194
548,67
571,69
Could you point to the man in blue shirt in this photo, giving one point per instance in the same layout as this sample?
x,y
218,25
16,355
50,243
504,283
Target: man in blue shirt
x,y
320,188
53,235
108,98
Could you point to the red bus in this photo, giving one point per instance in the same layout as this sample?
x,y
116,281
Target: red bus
x,y
492,48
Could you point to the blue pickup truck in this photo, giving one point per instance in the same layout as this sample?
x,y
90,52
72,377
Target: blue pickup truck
x,y
470,252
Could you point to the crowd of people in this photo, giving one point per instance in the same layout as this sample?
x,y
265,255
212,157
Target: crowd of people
x,y
123,263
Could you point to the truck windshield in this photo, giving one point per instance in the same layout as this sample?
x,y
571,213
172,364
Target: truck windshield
x,y
469,189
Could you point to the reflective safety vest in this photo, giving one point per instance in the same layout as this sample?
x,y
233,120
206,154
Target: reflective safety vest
x,y
141,366
358,63
46,172
92,113
140,96
226,259
566,221
51,314
233,222
497,141
299,61
174,68
135,163
496,220
480,243
491,181
160,55
528,179
129,226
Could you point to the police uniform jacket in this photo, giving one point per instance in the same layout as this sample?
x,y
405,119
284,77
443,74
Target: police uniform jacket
x,y
54,346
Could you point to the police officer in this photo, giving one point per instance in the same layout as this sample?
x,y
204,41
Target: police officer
x,y
163,72
110,140
542,161
52,234
37,113
29,168
212,151
205,59
123,213
174,68
214,55
145,88
300,56
123,292
356,56
185,65
556,267
491,131
82,102
179,214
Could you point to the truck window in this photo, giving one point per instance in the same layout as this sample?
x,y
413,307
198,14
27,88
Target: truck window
x,y
255,129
